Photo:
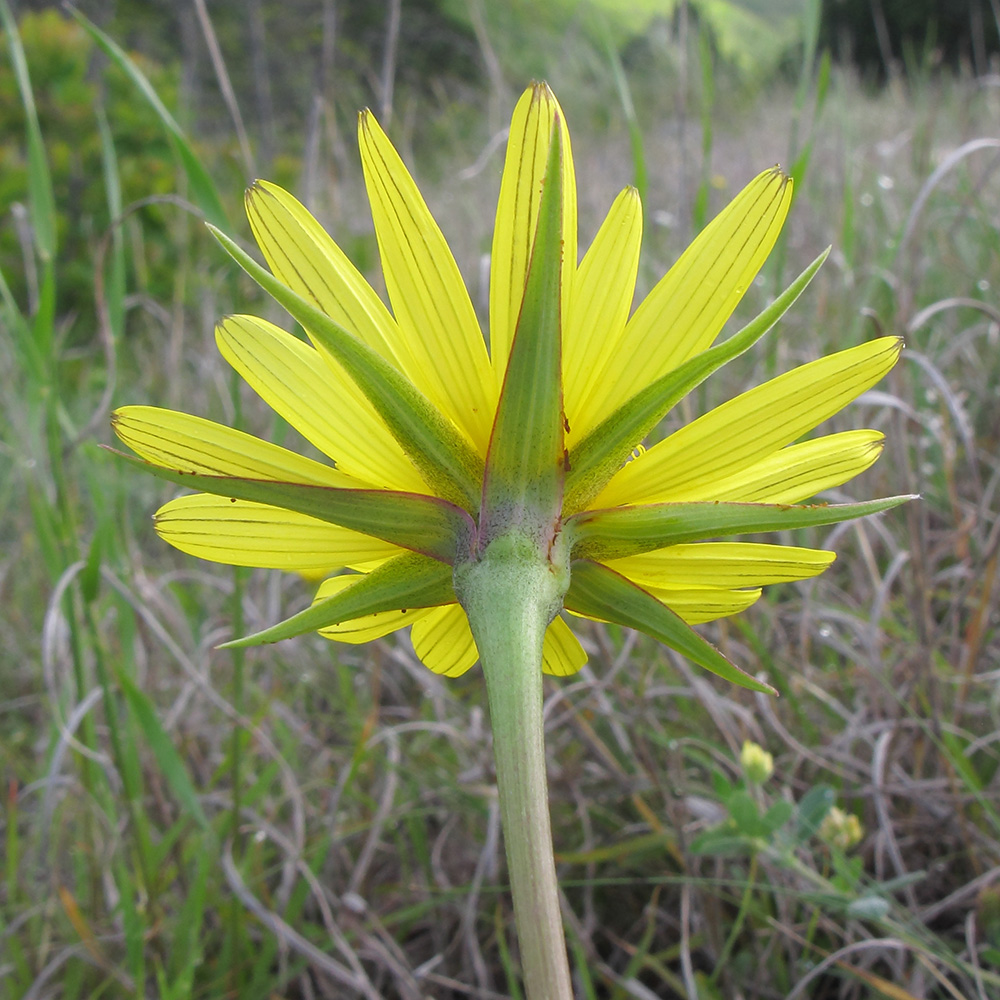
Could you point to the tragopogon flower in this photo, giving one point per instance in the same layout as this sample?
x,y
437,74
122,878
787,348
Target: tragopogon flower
x,y
440,444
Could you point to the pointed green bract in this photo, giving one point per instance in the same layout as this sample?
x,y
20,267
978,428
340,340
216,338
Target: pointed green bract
x,y
603,451
427,525
406,582
628,531
524,465
598,592
444,457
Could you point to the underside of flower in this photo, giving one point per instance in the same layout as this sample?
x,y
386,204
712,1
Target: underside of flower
x,y
447,456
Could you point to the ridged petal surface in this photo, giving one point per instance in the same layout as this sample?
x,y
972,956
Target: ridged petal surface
x,y
562,653
193,444
603,291
797,472
695,607
311,392
251,534
302,254
732,437
686,310
517,214
722,564
428,296
443,641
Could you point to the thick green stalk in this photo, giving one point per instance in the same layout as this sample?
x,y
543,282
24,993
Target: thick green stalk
x,y
510,595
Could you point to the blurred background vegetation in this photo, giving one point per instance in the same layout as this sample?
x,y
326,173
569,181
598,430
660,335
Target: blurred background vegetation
x,y
318,820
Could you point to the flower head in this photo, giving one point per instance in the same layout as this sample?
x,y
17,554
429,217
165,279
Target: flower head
x,y
440,444
757,763
840,829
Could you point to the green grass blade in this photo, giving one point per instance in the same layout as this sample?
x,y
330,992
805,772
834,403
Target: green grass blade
x,y
640,175
113,283
167,758
41,197
187,952
32,362
204,192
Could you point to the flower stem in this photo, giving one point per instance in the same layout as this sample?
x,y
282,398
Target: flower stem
x,y
510,595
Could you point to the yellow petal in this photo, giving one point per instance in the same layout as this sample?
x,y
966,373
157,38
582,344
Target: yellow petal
x,y
367,627
722,564
427,293
686,310
194,445
735,435
562,653
241,533
443,641
699,606
302,255
602,298
517,214
797,472
695,606
318,400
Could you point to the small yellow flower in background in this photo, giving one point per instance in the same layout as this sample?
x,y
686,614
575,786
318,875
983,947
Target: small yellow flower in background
x,y
757,763
840,829
432,442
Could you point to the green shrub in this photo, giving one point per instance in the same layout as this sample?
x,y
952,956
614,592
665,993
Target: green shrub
x,y
72,87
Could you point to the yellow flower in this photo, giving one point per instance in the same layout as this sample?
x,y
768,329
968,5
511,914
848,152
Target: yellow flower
x,y
433,442
757,763
840,829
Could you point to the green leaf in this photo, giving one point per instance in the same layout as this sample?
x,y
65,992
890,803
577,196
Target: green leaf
x,y
626,531
957,757
992,956
203,190
604,450
428,525
167,757
778,815
408,581
599,592
745,815
524,465
40,196
721,785
445,459
720,842
812,810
